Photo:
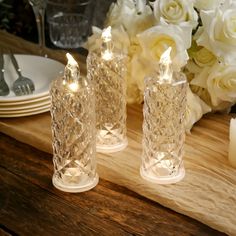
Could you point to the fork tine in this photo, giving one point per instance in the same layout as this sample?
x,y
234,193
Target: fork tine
x,y
24,89
22,85
19,90
29,91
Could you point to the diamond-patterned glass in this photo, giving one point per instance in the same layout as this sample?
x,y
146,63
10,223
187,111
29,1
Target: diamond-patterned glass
x,y
73,136
163,127
110,88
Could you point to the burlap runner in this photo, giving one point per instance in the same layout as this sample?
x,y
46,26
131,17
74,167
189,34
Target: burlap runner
x,y
208,192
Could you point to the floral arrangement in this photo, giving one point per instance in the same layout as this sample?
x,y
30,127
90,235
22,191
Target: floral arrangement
x,y
202,34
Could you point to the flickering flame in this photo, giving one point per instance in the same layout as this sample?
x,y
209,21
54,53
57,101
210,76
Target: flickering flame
x,y
107,45
72,74
71,60
165,57
165,66
106,34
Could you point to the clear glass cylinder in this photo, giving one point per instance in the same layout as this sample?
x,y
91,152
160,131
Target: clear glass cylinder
x,y
73,136
163,129
108,77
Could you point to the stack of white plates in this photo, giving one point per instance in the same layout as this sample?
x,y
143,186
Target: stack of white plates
x,y
39,69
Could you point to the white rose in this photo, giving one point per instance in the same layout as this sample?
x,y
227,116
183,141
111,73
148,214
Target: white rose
x,y
200,78
157,39
208,4
202,93
176,12
205,96
135,17
192,67
120,39
134,95
200,57
198,86
140,68
218,32
204,57
94,41
220,82
119,9
196,108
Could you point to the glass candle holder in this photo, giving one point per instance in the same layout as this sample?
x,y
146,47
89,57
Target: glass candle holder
x,y
163,128
73,132
107,70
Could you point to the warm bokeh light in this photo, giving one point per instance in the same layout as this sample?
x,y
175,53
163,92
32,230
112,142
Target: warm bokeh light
x,y
106,34
73,86
165,57
165,66
71,60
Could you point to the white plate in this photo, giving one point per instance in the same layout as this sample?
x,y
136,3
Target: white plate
x,y
25,107
25,110
25,113
40,69
26,102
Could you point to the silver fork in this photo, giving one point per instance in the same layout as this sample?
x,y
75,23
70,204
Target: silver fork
x,y
23,85
4,89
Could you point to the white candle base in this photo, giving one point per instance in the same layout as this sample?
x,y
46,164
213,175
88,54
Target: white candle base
x,y
232,143
112,148
166,179
75,188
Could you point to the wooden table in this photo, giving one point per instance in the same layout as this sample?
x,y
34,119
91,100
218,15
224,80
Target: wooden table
x,y
30,205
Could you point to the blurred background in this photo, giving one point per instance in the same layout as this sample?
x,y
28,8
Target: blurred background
x,y
17,17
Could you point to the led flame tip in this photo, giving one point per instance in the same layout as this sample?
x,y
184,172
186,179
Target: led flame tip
x,y
71,60
106,34
165,67
165,57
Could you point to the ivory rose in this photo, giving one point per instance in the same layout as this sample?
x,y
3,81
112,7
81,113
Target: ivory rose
x,y
140,68
133,17
200,57
203,93
196,108
179,12
203,57
208,4
218,32
220,81
157,39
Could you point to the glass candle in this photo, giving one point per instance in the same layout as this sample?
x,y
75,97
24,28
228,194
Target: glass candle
x,y
73,131
107,70
163,126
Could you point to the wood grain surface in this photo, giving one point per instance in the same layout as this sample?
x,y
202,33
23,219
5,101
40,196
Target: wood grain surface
x,y
30,205
208,192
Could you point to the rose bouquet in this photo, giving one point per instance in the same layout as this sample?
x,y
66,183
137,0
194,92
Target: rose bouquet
x,y
202,34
